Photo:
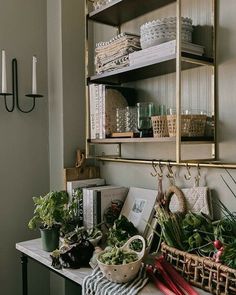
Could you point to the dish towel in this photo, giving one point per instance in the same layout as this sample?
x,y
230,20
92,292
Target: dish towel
x,y
98,284
198,200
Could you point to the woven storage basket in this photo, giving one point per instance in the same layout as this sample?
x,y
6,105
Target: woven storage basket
x,y
202,272
123,273
191,125
159,126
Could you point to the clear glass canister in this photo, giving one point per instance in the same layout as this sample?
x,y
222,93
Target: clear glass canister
x,y
131,119
120,120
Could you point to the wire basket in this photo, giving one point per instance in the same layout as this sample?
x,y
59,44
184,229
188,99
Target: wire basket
x,y
191,125
159,126
202,272
123,273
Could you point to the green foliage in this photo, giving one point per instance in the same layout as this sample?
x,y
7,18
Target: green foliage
x,y
229,255
49,210
71,216
198,232
121,231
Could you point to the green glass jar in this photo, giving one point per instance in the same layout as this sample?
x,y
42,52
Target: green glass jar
x,y
145,111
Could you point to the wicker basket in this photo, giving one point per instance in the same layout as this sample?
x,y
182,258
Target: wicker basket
x,y
123,273
202,272
159,126
191,125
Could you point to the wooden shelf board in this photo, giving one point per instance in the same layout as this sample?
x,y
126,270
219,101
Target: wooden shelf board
x,y
160,66
121,11
150,139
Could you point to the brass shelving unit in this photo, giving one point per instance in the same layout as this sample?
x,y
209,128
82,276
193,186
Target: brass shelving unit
x,y
120,11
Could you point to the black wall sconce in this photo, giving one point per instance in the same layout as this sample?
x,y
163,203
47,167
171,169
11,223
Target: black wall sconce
x,y
15,93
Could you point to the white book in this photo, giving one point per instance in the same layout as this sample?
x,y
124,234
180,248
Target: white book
x,y
99,200
139,207
97,122
162,50
100,107
72,185
103,127
92,94
152,50
153,56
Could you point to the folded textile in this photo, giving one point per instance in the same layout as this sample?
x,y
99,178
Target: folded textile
x,y
113,65
98,284
113,54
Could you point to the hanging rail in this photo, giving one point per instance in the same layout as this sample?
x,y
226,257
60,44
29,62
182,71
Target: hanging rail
x,y
217,165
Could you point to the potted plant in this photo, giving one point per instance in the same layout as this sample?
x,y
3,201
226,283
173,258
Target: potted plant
x,y
49,214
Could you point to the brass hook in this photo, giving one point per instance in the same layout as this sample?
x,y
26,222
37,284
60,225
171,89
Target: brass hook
x,y
160,175
198,176
154,168
188,175
170,173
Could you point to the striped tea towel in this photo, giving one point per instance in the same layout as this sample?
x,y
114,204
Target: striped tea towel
x,y
98,284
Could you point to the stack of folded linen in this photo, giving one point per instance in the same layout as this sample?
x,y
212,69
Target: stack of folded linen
x,y
114,54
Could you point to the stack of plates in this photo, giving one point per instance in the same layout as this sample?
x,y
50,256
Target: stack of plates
x,y
162,30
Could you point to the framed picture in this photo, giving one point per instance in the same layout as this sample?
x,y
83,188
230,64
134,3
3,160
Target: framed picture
x,y
139,207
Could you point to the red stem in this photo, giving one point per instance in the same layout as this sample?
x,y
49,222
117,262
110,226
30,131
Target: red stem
x,y
178,278
162,287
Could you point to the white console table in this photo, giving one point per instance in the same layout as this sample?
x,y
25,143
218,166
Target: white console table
x,y
32,249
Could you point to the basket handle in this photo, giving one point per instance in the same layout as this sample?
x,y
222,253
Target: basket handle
x,y
181,198
127,244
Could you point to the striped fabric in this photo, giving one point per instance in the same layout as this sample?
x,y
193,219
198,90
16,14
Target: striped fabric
x,y
97,284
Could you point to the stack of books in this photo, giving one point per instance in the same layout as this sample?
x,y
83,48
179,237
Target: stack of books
x,y
97,200
162,52
72,186
103,102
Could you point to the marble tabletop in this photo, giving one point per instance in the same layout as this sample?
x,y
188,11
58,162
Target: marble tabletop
x,y
33,250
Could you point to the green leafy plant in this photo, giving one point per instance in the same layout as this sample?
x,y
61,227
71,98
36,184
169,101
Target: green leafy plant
x,y
121,231
72,213
50,210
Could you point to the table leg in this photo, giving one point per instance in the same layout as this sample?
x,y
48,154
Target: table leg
x,y
24,261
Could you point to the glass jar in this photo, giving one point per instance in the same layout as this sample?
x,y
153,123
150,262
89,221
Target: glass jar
x,y
131,119
145,111
120,120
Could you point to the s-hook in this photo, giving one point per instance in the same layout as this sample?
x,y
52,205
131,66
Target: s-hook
x,y
156,173
198,176
188,175
170,174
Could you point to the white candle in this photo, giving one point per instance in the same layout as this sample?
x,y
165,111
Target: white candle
x,y
4,72
34,76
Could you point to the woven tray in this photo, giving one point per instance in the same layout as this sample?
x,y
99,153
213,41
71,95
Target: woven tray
x,y
202,272
159,126
191,125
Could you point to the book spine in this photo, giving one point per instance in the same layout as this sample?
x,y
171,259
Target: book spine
x,y
98,207
92,111
80,211
97,128
90,208
95,196
69,189
104,111
100,106
85,221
